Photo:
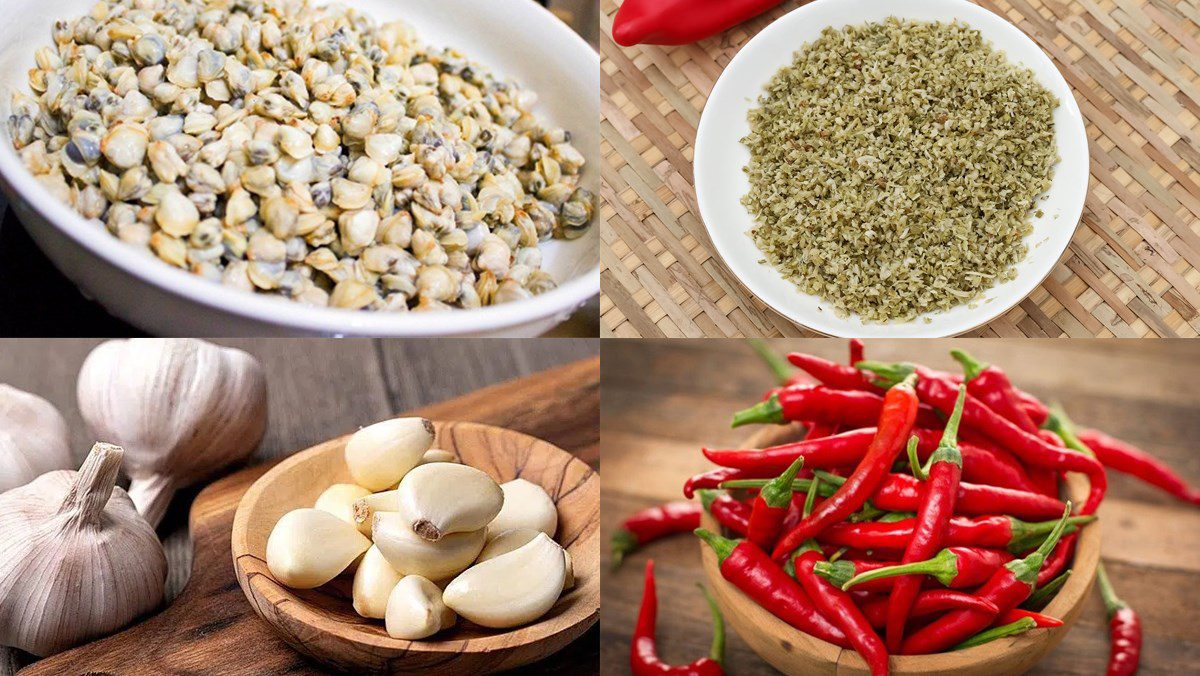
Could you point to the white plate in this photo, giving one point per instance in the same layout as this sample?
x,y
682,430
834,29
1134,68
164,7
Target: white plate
x,y
513,38
721,183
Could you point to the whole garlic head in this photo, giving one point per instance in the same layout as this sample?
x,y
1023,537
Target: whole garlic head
x,y
78,562
511,589
442,498
33,438
183,409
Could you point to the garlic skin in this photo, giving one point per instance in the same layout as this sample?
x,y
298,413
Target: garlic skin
x,y
339,501
512,589
183,409
442,498
438,455
415,610
526,505
373,584
381,454
568,571
411,554
33,438
309,547
78,561
511,540
365,508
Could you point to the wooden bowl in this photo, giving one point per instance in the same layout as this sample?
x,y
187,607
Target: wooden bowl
x,y
794,652
322,624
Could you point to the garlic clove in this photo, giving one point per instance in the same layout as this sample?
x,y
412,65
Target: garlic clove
x,y
182,408
309,547
339,501
365,508
33,438
411,554
526,505
415,610
511,540
511,589
438,455
442,498
380,455
373,584
77,561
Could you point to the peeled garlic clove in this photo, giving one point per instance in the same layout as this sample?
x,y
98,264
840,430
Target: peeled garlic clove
x,y
381,454
339,501
442,498
183,409
77,561
33,438
411,554
438,455
526,505
511,540
373,584
365,508
511,589
415,610
309,547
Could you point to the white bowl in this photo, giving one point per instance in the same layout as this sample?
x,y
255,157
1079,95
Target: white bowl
x,y
514,38
721,183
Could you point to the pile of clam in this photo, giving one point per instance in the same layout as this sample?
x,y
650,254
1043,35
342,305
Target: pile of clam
x,y
426,539
300,151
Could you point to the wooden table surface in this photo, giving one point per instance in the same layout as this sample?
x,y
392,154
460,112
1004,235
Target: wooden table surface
x,y
664,399
318,389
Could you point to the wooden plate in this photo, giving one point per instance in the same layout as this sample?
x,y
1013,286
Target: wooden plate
x,y
794,652
321,622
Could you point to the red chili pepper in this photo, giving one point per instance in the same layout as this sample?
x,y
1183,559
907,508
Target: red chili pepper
x,y
771,507
982,464
933,519
1030,448
681,22
1034,408
832,374
1002,532
840,607
1007,588
847,448
1131,460
730,513
1039,620
1125,630
785,375
820,404
856,351
714,477
749,569
643,656
1057,561
1043,479
928,602
651,524
990,385
955,567
896,418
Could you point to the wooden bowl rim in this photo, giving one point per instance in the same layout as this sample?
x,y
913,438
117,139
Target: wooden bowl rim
x,y
576,618
1067,602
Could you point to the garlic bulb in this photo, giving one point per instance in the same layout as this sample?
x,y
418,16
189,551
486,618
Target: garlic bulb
x,y
339,501
511,589
415,610
183,409
365,508
33,438
413,555
511,540
373,584
309,547
526,505
438,455
380,455
442,498
78,562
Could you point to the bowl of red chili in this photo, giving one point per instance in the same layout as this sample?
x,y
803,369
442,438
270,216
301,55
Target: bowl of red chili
x,y
795,642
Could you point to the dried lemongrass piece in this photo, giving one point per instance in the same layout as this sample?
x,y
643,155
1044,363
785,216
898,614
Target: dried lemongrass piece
x,y
380,455
443,498
309,547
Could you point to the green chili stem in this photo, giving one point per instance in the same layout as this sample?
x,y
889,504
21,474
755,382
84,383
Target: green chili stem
x,y
972,367
769,411
721,545
887,375
1019,627
914,462
1060,424
779,366
777,493
717,651
943,567
1042,595
1112,603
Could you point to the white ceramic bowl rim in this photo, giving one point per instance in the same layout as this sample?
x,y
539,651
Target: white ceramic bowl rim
x,y
562,299
716,182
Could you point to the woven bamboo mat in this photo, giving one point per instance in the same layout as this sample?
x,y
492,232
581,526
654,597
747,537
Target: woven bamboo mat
x,y
1132,269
